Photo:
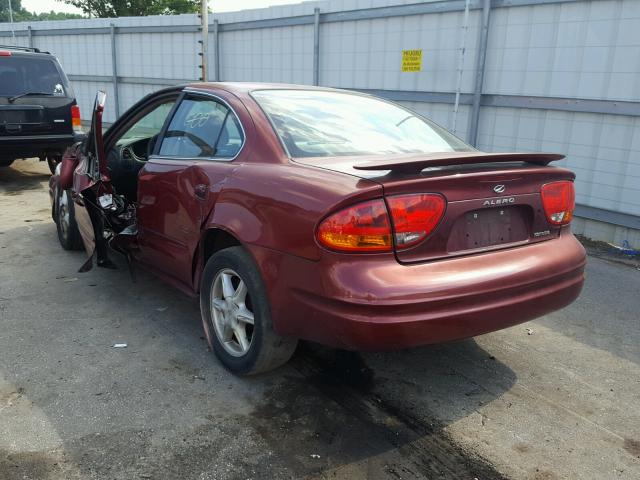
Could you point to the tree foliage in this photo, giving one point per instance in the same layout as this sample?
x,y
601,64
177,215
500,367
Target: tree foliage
x,y
134,8
20,14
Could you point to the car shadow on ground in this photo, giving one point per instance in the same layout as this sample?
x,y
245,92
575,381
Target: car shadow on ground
x,y
14,181
164,408
598,304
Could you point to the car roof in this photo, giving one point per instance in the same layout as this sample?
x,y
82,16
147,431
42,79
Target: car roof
x,y
18,50
248,87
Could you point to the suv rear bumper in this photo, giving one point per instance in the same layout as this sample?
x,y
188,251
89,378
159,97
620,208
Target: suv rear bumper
x,y
26,146
375,303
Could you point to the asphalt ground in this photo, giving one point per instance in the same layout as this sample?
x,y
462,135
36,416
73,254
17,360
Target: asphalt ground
x,y
555,398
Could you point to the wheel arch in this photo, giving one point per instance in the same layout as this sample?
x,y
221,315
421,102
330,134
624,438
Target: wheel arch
x,y
213,239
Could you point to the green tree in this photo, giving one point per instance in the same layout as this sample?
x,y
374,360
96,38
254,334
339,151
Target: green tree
x,y
16,6
55,16
22,15
134,8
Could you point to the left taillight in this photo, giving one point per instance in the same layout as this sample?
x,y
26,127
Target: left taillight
x,y
361,228
76,121
558,200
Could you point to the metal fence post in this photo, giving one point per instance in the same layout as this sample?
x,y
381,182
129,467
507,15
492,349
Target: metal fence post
x,y
482,56
114,70
216,50
316,46
204,26
30,35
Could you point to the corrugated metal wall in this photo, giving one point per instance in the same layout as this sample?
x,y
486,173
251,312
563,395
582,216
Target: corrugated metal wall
x,y
539,52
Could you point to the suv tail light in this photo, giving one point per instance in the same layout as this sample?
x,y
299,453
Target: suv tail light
x,y
415,216
76,121
366,227
558,200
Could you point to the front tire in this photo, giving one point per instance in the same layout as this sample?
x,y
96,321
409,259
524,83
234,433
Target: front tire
x,y
52,162
68,233
236,315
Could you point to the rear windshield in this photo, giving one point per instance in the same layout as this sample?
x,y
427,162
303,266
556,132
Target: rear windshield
x,y
321,124
20,75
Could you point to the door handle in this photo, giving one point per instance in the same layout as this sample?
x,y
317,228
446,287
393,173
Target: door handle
x,y
201,191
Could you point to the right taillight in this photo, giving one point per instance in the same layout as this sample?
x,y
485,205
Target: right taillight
x,y
76,121
558,200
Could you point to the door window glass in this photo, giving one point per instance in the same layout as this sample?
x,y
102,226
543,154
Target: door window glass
x,y
202,128
150,124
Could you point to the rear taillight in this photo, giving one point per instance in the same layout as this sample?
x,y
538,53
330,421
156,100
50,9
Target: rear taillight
x,y
558,200
364,227
414,217
76,122
5,53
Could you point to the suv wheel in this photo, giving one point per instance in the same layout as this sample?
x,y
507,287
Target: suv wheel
x,y
237,317
68,233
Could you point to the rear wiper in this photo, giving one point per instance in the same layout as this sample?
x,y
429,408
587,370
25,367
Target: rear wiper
x,y
15,97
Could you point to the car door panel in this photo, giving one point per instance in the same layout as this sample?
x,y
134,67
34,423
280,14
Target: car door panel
x,y
170,214
175,197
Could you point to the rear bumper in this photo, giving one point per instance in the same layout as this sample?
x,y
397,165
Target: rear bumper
x,y
374,303
25,146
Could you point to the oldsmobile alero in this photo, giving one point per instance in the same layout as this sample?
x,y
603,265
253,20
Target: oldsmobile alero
x,y
296,212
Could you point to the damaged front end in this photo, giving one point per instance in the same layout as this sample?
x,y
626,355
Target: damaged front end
x,y
105,219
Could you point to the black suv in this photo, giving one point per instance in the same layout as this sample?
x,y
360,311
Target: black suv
x,y
39,116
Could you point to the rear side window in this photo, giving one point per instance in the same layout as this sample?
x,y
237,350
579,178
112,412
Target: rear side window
x,y
202,128
20,75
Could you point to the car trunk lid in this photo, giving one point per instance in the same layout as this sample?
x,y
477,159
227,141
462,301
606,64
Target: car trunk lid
x,y
493,200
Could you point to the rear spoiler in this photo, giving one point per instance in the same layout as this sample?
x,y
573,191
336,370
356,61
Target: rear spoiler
x,y
416,164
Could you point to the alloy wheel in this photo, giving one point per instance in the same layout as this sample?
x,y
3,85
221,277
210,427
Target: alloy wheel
x,y
232,312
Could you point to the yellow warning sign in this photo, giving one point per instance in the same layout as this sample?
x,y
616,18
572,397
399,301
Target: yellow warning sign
x,y
412,60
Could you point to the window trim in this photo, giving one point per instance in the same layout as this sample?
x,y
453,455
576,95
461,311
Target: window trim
x,y
187,92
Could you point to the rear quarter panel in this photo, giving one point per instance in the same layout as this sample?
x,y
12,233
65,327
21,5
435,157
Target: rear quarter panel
x,y
278,206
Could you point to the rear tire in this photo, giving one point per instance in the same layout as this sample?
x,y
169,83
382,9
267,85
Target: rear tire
x,y
237,317
68,233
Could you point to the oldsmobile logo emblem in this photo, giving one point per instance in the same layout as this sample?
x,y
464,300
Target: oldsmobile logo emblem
x,y
499,188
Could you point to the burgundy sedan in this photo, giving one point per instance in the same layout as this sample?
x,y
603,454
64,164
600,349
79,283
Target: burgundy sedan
x,y
319,214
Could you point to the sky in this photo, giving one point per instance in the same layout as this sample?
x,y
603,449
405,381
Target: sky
x,y
39,6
